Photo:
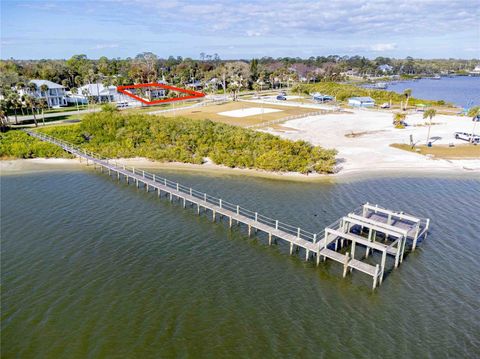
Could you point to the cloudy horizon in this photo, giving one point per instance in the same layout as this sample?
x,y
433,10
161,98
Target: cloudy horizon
x,y
247,29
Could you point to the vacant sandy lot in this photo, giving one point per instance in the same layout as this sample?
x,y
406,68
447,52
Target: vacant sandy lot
x,y
363,139
213,112
249,111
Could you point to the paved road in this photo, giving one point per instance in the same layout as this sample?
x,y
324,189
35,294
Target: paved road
x,y
49,115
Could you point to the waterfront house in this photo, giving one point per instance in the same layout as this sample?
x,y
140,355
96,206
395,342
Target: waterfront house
x,y
361,102
476,71
99,92
55,96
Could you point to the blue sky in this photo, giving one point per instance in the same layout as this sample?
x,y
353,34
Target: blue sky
x,y
240,29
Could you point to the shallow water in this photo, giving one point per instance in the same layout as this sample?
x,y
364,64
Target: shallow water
x,y
95,268
463,91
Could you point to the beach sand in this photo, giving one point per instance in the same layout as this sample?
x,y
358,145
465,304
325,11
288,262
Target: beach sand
x,y
20,166
363,138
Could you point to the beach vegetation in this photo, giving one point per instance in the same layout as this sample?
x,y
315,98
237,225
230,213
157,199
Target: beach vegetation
x,y
116,135
18,144
399,120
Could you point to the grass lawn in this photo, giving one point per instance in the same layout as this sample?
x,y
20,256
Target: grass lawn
x,y
464,151
51,121
160,107
211,113
67,109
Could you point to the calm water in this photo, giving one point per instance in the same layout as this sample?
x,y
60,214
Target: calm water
x,y
463,91
93,268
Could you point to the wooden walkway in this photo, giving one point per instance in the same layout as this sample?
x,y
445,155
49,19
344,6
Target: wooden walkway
x,y
396,227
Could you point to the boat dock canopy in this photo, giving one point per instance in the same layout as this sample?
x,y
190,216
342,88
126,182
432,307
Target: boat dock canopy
x,y
371,228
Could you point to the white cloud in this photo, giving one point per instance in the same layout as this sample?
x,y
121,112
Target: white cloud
x,y
104,46
252,33
384,47
308,17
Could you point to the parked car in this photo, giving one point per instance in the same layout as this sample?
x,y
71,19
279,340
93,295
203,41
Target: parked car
x,y
281,97
467,137
282,93
476,118
122,104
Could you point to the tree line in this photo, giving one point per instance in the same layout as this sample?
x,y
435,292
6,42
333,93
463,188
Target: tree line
x,y
148,67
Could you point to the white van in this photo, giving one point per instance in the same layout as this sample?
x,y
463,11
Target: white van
x,y
467,137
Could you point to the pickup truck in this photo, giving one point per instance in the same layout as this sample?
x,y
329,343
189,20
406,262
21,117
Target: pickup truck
x,y
467,137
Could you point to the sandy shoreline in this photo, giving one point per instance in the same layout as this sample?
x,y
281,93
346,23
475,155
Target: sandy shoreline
x,y
18,166
25,166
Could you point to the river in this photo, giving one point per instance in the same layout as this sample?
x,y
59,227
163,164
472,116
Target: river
x,y
463,91
95,268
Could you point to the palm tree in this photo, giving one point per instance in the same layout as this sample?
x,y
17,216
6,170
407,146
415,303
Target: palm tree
x,y
430,113
474,112
4,108
86,94
44,89
23,104
74,91
14,100
3,118
398,120
42,104
32,88
407,93
31,103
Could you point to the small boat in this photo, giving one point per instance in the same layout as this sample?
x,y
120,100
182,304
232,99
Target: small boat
x,y
380,85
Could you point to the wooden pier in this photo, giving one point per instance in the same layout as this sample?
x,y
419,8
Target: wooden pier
x,y
372,228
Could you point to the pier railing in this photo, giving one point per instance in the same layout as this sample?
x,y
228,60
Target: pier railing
x,y
201,196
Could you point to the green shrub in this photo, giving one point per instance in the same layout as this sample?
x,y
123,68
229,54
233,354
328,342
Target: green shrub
x,y
115,135
17,144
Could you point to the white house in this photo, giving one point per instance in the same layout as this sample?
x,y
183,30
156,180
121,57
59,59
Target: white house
x,y
55,95
99,92
361,102
476,71
385,68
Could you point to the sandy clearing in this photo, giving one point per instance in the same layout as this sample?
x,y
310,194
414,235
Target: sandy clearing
x,y
250,111
362,138
266,100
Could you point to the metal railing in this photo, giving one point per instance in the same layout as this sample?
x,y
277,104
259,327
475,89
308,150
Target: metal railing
x,y
202,197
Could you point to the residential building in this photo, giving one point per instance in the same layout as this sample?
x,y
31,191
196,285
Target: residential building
x,y
385,68
475,71
99,92
55,95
